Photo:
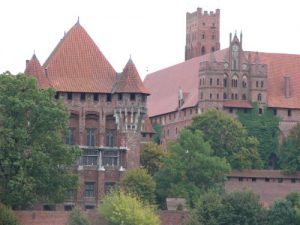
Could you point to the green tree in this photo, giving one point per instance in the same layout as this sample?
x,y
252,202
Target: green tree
x,y
141,184
77,217
241,207
7,216
151,157
34,160
120,208
208,210
157,136
190,168
281,213
290,151
228,138
264,127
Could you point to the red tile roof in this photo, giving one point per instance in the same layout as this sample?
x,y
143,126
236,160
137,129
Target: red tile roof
x,y
164,85
279,66
34,68
129,81
77,65
237,104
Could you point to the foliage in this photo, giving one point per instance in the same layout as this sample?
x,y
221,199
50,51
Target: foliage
x,y
208,210
190,168
228,138
158,130
264,127
281,213
7,216
241,207
33,156
140,183
290,151
120,208
151,156
77,217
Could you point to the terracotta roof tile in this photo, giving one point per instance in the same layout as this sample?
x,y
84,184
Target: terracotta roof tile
x,y
129,80
148,126
164,84
237,104
34,68
77,65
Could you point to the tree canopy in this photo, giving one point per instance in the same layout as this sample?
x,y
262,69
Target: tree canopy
x,y
77,217
34,160
141,184
264,127
7,216
151,157
290,151
228,138
121,208
190,168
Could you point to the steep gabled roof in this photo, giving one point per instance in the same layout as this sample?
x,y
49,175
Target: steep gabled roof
x,y
34,68
77,65
165,84
129,80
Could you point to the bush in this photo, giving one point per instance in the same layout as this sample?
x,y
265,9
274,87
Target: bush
x,y
7,216
77,217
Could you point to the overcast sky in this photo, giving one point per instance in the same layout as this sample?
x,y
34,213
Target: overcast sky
x,y
152,31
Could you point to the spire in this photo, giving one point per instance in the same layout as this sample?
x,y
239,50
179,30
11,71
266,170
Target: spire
x,y
78,21
130,60
241,38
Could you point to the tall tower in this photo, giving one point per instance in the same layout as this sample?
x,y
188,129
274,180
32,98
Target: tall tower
x,y
202,33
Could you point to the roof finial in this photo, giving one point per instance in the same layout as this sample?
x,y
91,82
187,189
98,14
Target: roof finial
x,y
130,60
78,23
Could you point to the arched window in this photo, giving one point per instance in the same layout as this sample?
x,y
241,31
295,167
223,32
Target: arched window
x,y
244,97
218,82
203,50
232,96
244,83
259,97
234,81
235,96
225,81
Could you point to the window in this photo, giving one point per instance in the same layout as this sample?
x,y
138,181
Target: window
x,y
231,110
241,179
120,97
259,97
232,96
244,84
235,96
108,97
144,135
210,81
218,82
56,95
234,81
293,180
89,207
110,158
203,50
49,207
253,179
225,82
70,138
217,96
68,207
89,157
244,97
69,96
289,112
212,49
225,96
176,130
261,84
110,138
260,111
257,84
275,112
82,96
90,136
210,95
267,179
132,97
96,97
108,187
280,180
89,188
203,36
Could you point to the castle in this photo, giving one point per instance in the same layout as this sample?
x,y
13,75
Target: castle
x,y
108,113
229,79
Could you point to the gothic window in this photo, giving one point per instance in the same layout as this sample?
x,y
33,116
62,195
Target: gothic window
x,y
225,96
244,97
259,97
217,96
89,188
210,95
203,50
232,96
225,81
70,138
210,81
235,96
110,158
218,82
261,84
257,84
90,136
234,81
244,83
110,138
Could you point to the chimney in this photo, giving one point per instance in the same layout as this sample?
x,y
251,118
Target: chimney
x,y
287,87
